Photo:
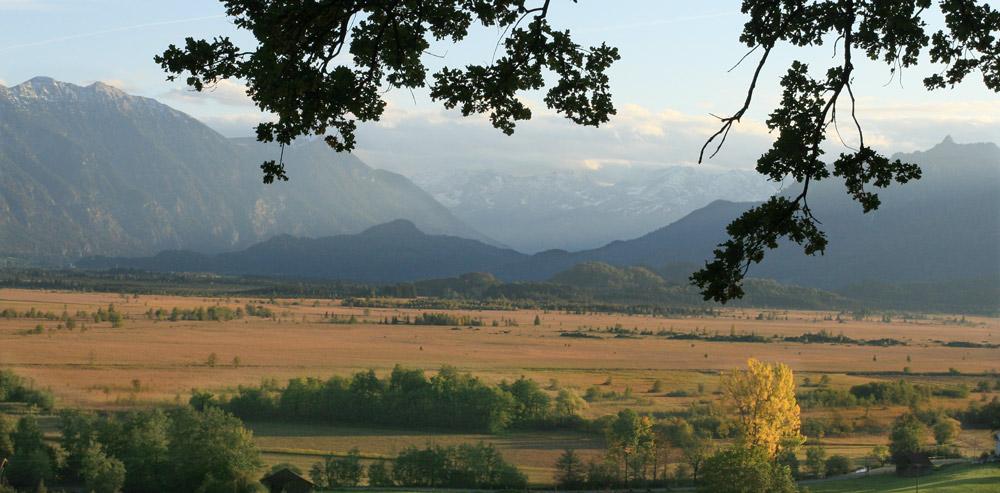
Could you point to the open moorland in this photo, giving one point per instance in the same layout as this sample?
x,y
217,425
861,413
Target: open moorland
x,y
149,357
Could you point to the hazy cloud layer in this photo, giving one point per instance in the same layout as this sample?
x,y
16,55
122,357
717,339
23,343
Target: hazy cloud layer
x,y
409,140
237,125
414,140
225,92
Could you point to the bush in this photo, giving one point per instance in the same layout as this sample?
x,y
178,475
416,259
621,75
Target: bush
x,y
838,465
466,466
744,470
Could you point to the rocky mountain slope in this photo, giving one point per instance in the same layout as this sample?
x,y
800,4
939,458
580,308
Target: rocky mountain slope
x,y
93,170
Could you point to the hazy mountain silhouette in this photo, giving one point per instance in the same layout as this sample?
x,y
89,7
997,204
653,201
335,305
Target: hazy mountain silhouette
x,y
583,209
93,170
945,226
395,251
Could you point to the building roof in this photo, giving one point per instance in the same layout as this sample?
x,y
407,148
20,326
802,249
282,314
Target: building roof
x,y
283,477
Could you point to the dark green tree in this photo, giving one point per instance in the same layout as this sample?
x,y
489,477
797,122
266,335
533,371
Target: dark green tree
x,y
101,473
210,450
379,476
816,461
79,431
33,462
323,66
838,465
530,402
748,470
339,472
6,443
143,434
570,474
906,435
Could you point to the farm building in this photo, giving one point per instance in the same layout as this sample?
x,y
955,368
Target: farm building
x,y
912,464
287,481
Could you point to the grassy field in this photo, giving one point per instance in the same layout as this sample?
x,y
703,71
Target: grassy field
x,y
960,478
152,363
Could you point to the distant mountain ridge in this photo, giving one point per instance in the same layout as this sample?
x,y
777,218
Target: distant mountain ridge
x,y
944,227
576,210
93,170
395,251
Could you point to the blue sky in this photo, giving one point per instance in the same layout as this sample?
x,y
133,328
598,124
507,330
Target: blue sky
x,y
672,76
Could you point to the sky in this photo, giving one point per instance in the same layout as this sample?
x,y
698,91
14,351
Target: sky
x,y
675,73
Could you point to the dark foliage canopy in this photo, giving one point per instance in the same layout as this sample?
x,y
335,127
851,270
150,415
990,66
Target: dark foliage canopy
x,y
322,65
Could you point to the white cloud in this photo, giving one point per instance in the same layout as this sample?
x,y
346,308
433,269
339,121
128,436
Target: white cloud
x,y
225,92
907,127
237,125
410,140
3,83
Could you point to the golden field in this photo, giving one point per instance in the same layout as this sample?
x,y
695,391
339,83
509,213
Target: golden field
x,y
148,362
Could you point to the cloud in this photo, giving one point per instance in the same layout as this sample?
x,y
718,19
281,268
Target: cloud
x,y
225,92
907,127
237,125
4,83
410,140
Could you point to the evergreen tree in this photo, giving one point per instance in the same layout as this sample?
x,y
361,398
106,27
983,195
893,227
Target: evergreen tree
x,y
569,471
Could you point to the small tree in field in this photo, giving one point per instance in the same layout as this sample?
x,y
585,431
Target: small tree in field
x,y
570,471
946,430
838,465
816,461
906,435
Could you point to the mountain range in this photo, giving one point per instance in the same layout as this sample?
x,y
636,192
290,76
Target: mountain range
x,y
945,226
582,209
93,170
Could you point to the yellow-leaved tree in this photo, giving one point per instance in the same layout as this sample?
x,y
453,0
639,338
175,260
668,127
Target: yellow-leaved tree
x,y
762,404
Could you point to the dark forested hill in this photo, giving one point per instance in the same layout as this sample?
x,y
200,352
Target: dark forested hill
x,y
395,251
93,170
944,227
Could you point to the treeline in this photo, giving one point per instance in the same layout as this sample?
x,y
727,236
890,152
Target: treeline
x,y
145,451
404,399
480,467
574,289
973,296
434,319
618,330
575,307
210,313
65,318
15,388
899,392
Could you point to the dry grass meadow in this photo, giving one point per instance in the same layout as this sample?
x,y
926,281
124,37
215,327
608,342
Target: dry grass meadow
x,y
147,362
